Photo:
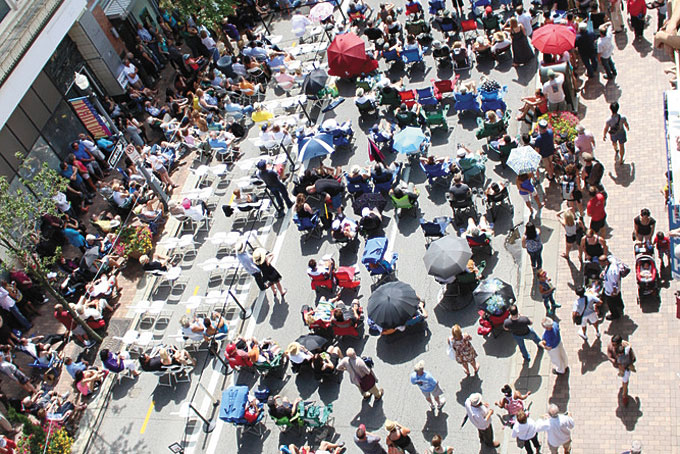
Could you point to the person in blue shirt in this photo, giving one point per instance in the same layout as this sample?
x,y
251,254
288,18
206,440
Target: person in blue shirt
x,y
428,385
72,367
545,146
71,173
83,155
552,343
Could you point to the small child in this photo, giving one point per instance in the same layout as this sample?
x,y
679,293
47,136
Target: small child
x,y
547,291
436,446
646,270
663,247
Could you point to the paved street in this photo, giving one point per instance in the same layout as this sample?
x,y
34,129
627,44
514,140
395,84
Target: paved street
x,y
144,417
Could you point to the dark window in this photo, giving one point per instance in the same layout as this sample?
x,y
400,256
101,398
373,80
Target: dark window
x,y
22,127
35,109
4,9
9,146
62,129
46,90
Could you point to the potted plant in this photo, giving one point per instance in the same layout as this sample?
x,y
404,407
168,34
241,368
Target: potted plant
x,y
563,124
134,241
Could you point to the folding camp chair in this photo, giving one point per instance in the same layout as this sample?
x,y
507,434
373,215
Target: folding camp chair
x,y
408,97
426,97
412,57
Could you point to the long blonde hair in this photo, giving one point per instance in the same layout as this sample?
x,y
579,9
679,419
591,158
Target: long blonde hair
x,y
456,332
569,218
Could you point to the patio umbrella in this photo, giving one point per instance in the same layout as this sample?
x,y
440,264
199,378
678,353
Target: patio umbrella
x,y
494,295
314,82
370,200
447,257
313,342
89,257
554,38
318,145
347,56
523,160
409,140
392,304
321,11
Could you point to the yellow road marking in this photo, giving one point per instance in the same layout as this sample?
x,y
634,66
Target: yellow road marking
x,y
148,416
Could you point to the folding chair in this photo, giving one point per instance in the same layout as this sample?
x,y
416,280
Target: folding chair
x,y
426,97
436,6
469,26
408,97
412,57
413,8
443,87
393,59
309,226
437,118
434,229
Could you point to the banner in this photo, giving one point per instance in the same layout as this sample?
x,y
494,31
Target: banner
x,y
90,117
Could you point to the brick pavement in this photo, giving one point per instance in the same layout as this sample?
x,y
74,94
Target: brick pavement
x,y
590,391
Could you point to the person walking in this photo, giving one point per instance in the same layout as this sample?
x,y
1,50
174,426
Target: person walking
x,y
596,209
246,261
360,375
479,413
398,437
552,343
637,9
616,125
605,50
520,328
611,275
544,144
559,429
368,442
547,291
635,448
461,349
428,385
585,44
531,241
585,312
525,431
276,187
622,357
527,191
270,275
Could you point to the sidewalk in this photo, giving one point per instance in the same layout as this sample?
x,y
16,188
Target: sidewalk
x,y
590,389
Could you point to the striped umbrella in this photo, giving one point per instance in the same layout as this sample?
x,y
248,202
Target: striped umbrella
x,y
318,145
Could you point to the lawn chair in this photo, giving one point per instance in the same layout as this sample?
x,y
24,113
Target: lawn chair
x,y
366,109
416,27
426,97
467,102
346,277
232,410
470,29
390,98
437,118
462,59
493,100
404,203
434,229
436,6
443,87
412,57
324,280
413,8
393,59
357,185
438,173
408,97
309,226
492,131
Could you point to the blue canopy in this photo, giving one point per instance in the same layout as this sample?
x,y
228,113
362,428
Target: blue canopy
x,y
409,140
312,147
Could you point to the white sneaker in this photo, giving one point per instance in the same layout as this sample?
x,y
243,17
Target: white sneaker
x,y
432,406
442,402
583,335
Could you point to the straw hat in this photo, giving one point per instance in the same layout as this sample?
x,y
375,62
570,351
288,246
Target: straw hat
x,y
475,399
499,36
355,170
240,247
259,255
390,425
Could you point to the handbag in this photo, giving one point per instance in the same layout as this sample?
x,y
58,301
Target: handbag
x,y
449,350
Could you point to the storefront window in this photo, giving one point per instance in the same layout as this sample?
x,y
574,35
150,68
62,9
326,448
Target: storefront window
x,y
40,153
62,129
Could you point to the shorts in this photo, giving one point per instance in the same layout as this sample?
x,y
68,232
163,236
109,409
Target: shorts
x,y
597,225
589,319
619,137
571,239
527,197
436,392
625,378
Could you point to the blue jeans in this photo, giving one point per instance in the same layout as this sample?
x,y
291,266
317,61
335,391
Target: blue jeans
x,y
520,342
536,259
609,68
20,317
590,62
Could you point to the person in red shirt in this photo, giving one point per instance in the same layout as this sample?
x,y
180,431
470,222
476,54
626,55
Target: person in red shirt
x,y
638,11
596,211
663,248
65,318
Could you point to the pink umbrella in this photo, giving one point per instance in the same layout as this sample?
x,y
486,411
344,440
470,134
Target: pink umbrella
x,y
321,11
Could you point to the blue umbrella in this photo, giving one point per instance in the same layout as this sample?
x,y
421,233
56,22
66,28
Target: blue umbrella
x,y
409,140
319,145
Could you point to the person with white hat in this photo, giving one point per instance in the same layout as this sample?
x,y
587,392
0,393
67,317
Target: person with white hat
x,y
270,275
480,414
246,261
635,448
554,91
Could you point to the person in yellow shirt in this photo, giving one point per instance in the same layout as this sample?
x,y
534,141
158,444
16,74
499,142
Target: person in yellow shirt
x,y
261,114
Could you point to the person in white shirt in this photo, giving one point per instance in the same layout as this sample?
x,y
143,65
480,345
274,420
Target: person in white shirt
x,y
363,98
131,75
526,431
559,429
524,18
10,305
479,414
554,91
612,285
500,42
605,49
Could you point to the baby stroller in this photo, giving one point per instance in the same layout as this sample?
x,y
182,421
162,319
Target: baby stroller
x,y
646,273
492,314
591,276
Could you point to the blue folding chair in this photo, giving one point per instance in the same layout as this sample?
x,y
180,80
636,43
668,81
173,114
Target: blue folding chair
x,y
478,6
426,97
412,57
309,226
493,100
437,173
393,59
467,102
434,229
374,259
383,186
357,185
436,6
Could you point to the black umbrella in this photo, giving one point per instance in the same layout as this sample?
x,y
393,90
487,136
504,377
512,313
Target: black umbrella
x,y
313,342
447,257
392,304
314,82
494,295
370,200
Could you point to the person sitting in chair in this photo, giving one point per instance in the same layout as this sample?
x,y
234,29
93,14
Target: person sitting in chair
x,y
460,55
441,52
364,100
479,232
459,192
501,42
402,190
343,228
281,407
371,220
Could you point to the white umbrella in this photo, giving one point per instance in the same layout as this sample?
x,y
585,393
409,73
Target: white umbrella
x,y
321,11
524,160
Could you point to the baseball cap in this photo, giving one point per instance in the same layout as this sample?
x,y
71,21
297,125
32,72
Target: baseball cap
x,y
543,123
261,164
488,9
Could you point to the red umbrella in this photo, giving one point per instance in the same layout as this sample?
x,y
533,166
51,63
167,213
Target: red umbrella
x,y
347,56
554,38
